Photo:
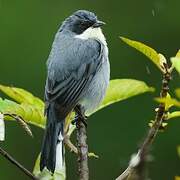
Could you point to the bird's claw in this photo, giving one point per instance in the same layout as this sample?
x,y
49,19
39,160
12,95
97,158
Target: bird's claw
x,y
81,118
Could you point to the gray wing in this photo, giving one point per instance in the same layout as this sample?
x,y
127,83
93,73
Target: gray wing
x,y
70,71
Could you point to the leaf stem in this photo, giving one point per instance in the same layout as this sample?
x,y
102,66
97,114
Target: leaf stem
x,y
74,149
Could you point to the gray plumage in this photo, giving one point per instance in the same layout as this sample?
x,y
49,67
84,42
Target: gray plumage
x,y
78,74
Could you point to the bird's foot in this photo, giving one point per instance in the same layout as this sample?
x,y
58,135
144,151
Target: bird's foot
x,y
80,116
77,118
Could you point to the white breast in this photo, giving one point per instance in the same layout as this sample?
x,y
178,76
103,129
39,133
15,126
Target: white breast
x,y
93,33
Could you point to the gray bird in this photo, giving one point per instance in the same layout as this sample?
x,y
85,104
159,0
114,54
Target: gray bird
x,y
77,78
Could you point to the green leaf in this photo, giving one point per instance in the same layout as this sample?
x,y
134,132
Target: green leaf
x,y
29,107
22,96
46,175
174,114
169,102
121,89
29,113
146,50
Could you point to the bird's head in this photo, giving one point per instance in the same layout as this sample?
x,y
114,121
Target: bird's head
x,y
80,21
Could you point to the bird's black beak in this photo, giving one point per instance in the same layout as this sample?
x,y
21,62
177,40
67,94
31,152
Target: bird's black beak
x,y
98,24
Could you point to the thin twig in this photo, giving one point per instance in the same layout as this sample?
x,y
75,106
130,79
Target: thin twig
x,y
21,122
82,147
17,164
70,145
137,171
74,149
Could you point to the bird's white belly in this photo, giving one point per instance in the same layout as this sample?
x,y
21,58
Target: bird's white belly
x,y
97,89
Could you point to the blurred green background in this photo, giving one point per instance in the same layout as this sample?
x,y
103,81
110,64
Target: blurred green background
x,y
27,29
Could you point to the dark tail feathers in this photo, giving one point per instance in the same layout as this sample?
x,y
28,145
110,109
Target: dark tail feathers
x,y
54,127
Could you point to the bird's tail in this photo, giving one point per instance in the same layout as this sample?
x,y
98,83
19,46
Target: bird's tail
x,y
52,147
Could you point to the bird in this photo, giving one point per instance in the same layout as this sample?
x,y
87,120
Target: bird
x,y
78,73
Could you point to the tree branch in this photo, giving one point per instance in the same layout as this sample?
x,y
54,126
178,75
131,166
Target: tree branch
x,y
136,168
82,147
17,164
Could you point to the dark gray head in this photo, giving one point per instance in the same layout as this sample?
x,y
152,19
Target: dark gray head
x,y
79,21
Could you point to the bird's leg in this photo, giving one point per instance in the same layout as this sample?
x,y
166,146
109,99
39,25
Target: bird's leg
x,y
80,114
74,121
79,117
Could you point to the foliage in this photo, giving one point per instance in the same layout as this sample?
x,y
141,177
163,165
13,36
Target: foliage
x,y
158,60
146,50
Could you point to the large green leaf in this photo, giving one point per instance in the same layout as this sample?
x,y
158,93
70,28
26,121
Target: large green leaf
x,y
147,51
28,112
121,89
22,96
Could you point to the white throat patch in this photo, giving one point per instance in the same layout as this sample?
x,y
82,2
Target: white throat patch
x,y
93,33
